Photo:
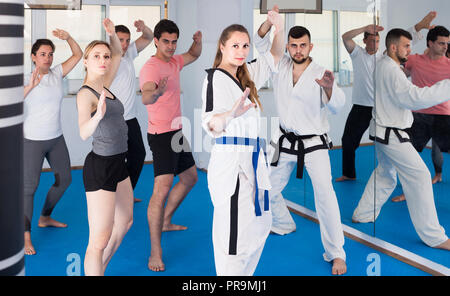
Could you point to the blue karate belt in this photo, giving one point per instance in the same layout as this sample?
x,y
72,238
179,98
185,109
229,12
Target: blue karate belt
x,y
257,144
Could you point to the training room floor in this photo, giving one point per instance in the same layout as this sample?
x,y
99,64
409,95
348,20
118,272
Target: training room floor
x,y
190,252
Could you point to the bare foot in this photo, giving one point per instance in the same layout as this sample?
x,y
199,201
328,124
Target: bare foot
x,y
29,249
445,245
437,178
155,263
344,178
173,227
137,200
47,221
339,267
398,198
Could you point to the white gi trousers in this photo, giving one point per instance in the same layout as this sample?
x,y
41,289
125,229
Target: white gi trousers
x,y
317,164
402,158
238,234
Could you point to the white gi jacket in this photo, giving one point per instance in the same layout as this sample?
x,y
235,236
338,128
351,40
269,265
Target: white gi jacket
x,y
303,108
219,94
396,96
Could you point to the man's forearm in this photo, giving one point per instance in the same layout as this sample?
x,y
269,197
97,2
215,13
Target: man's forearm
x,y
264,29
353,33
147,33
116,48
150,97
74,47
196,49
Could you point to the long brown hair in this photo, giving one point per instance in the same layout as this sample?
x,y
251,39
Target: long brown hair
x,y
242,72
89,48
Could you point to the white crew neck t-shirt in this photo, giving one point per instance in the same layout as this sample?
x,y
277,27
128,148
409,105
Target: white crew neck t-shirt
x,y
124,84
42,107
363,69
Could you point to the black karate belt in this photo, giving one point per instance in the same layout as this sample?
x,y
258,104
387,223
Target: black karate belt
x,y
300,152
387,133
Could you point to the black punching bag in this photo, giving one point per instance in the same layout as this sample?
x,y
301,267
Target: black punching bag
x,y
11,138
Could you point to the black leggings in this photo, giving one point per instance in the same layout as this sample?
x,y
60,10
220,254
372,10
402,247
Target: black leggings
x,y
57,155
358,121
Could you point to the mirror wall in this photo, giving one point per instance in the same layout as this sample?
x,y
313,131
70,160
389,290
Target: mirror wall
x,y
417,224
370,199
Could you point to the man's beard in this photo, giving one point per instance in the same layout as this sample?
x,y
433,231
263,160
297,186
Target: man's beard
x,y
299,62
402,60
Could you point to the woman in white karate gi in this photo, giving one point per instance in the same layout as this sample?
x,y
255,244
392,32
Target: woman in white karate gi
x,y
396,96
305,93
238,173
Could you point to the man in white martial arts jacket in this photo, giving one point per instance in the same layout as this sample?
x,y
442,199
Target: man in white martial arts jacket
x,y
363,61
305,94
395,97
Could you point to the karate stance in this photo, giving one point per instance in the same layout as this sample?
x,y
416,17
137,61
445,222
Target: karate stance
x,y
363,61
431,123
123,86
396,96
305,92
42,130
238,172
109,193
159,80
358,120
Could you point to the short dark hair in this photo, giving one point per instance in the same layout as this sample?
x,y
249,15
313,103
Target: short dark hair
x,y
394,35
41,42
165,26
437,31
122,29
367,35
298,32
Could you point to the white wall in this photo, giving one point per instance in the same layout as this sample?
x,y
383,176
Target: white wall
x,y
211,16
406,13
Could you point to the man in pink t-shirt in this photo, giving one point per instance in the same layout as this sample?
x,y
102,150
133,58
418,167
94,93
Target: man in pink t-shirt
x,y
434,122
159,81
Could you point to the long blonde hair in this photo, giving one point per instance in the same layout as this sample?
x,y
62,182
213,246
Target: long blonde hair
x,y
242,72
88,50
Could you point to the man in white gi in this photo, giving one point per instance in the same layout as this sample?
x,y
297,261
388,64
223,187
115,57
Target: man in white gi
x,y
363,61
395,97
305,93
124,87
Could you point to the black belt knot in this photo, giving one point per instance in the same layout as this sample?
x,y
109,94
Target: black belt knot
x,y
300,152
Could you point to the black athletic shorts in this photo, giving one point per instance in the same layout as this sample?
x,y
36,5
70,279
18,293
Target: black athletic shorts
x,y
427,126
104,172
171,153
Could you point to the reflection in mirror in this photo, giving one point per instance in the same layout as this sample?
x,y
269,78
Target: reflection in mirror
x,y
412,127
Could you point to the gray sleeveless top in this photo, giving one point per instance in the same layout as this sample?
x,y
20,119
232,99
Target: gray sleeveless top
x,y
111,135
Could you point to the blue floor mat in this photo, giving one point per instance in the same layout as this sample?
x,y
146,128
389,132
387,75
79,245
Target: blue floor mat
x,y
393,223
185,253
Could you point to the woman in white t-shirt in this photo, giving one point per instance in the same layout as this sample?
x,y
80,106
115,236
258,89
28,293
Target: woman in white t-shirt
x,y
43,138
